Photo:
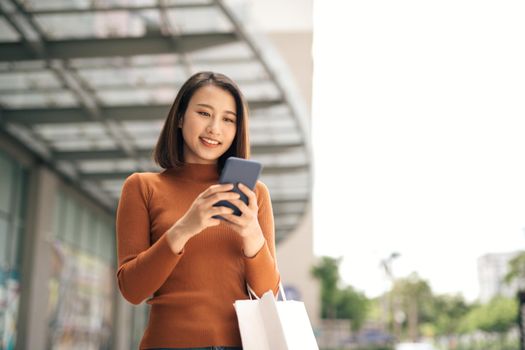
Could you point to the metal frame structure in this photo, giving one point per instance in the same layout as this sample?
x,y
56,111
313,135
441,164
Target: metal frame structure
x,y
86,85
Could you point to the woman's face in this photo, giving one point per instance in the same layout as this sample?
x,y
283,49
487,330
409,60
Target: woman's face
x,y
209,125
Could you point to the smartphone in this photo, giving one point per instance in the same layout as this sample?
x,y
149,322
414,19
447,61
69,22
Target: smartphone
x,y
235,171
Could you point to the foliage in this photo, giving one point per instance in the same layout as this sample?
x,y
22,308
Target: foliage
x,y
497,316
327,272
516,269
412,289
446,316
448,310
414,297
352,305
339,303
376,310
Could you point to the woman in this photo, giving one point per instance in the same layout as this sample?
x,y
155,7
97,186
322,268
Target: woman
x,y
170,248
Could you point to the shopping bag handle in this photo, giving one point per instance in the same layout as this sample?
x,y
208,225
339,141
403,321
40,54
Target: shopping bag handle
x,y
251,292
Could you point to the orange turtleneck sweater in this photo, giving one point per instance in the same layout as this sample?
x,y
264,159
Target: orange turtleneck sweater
x,y
192,293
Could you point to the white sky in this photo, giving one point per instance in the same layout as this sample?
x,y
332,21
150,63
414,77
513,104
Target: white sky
x,y
419,137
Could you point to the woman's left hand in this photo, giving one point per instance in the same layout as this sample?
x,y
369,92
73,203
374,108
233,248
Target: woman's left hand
x,y
247,225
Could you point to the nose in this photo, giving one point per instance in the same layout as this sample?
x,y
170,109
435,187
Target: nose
x,y
214,126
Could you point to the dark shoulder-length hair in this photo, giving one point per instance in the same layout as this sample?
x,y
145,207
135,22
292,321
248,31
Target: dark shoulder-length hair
x,y
168,152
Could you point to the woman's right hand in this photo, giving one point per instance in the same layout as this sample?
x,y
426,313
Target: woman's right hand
x,y
200,215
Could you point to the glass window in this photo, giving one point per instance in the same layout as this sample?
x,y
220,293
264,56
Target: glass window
x,y
3,243
100,238
107,239
80,270
58,215
70,213
83,229
20,235
92,235
18,216
73,234
13,188
138,324
6,183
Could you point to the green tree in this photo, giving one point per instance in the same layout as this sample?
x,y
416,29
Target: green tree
x,y
415,297
447,313
498,316
352,305
327,272
337,303
516,270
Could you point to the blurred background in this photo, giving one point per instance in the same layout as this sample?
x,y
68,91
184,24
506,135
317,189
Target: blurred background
x,y
391,137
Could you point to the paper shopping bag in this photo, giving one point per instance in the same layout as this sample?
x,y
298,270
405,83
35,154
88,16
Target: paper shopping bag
x,y
267,324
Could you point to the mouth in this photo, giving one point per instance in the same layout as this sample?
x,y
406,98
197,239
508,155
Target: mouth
x,y
209,142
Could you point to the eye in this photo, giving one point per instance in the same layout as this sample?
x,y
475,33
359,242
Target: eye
x,y
229,120
205,114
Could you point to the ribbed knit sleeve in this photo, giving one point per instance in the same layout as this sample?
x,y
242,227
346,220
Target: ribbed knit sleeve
x,y
142,268
262,273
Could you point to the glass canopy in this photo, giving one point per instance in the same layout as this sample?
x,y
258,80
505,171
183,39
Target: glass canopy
x,y
87,85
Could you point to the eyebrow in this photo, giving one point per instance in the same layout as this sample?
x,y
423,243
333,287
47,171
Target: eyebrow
x,y
210,107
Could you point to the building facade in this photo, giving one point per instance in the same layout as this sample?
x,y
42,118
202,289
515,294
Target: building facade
x,y
80,108
492,269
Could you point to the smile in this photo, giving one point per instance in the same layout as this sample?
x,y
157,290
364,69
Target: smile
x,y
209,142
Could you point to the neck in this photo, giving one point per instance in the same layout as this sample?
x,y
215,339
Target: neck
x,y
195,172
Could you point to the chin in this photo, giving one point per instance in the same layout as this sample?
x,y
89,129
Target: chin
x,y
208,158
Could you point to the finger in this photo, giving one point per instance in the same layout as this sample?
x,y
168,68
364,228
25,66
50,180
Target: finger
x,y
220,211
214,222
216,189
234,219
214,198
241,205
252,198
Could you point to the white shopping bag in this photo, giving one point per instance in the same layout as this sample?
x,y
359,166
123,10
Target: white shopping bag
x,y
267,324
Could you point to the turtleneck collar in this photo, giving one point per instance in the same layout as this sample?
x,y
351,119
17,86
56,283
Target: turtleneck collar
x,y
195,172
